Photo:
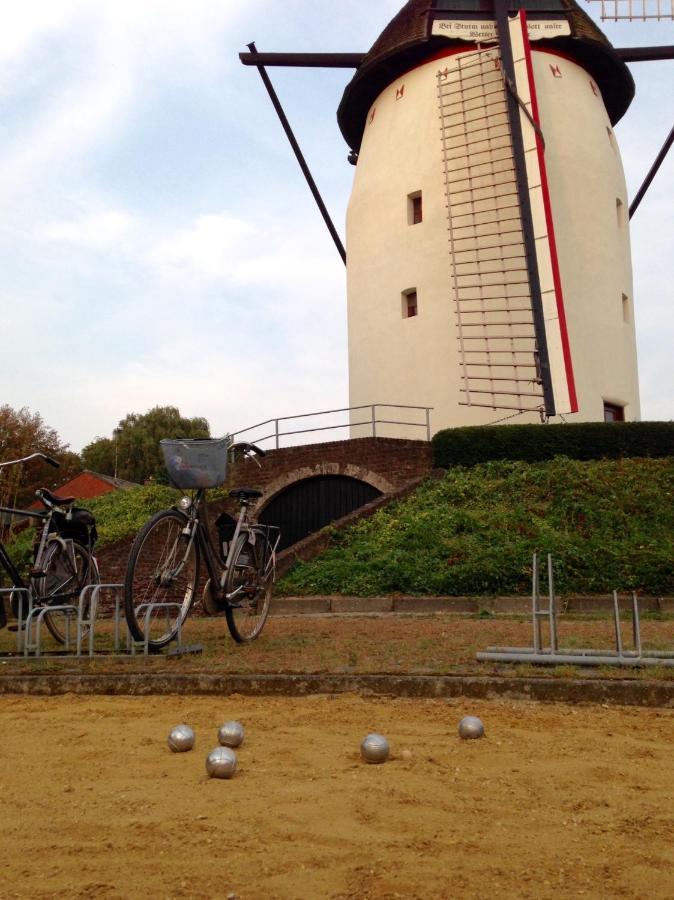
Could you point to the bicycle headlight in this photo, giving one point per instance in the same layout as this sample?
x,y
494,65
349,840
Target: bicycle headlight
x,y
184,503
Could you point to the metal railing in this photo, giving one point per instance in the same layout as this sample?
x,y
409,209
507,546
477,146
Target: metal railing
x,y
371,419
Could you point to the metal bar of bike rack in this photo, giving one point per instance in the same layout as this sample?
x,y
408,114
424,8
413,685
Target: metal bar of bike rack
x,y
552,608
636,623
535,605
149,609
576,657
93,614
39,612
567,659
616,620
20,633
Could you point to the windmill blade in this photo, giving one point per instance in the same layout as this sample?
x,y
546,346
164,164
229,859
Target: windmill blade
x,y
645,54
653,171
304,60
513,344
635,10
300,156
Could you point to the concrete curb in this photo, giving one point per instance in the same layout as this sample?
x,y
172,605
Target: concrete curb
x,y
337,604
619,692
405,605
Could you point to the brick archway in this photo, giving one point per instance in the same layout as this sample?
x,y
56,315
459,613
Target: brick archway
x,y
359,473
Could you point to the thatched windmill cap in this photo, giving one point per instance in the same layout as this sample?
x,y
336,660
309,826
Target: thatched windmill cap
x,y
407,41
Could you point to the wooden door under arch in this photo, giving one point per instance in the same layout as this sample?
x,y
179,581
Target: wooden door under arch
x,y
309,505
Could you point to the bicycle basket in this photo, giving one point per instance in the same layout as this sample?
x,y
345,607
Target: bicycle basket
x,y
193,463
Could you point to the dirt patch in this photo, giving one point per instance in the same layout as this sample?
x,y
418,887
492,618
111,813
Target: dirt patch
x,y
556,800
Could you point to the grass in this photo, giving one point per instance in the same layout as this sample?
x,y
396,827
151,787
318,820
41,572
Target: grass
x,y
608,524
424,644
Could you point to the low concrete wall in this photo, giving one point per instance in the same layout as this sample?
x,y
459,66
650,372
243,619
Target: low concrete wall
x,y
621,692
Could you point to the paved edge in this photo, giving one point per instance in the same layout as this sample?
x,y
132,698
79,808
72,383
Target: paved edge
x,y
619,692
339,605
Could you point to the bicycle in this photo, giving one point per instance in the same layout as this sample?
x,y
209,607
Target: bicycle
x,y
63,560
163,569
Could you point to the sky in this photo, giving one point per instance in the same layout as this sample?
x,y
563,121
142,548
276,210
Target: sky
x,y
158,245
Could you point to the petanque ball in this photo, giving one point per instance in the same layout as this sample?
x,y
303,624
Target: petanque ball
x,y
374,748
231,734
181,739
471,728
221,763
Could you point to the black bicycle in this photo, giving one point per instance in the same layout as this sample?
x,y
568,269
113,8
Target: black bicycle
x,y
162,576
63,561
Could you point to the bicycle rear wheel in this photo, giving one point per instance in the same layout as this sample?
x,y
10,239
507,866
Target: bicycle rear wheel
x,y
248,591
67,569
161,579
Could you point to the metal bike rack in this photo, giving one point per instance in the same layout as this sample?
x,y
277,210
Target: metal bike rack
x,y
555,656
20,633
90,622
149,608
37,615
85,617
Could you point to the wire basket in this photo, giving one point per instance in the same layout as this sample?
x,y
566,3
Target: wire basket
x,y
192,463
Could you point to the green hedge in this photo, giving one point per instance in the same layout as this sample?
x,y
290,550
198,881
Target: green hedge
x,y
536,443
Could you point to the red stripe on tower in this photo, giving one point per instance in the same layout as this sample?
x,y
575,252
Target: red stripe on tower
x,y
556,275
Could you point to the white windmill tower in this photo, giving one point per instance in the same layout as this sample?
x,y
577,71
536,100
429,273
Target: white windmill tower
x,y
489,271
489,266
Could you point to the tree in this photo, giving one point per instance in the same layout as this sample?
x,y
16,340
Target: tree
x,y
133,451
22,433
99,456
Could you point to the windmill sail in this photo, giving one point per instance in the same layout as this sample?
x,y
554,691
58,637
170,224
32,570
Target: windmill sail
x,y
492,284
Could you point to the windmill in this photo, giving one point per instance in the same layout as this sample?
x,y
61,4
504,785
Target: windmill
x,y
489,271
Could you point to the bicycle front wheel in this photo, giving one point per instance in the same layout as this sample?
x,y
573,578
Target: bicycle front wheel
x,y
161,579
248,592
68,569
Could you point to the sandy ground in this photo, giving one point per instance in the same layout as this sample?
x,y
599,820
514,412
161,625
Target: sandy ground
x,y
554,801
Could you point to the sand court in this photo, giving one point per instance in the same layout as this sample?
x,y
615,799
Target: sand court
x,y
555,798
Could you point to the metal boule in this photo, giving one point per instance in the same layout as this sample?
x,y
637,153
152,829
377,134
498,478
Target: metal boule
x,y
221,763
181,738
374,748
231,734
471,728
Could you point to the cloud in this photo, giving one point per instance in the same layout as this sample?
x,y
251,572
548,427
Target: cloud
x,y
214,246
97,231
92,67
157,242
224,317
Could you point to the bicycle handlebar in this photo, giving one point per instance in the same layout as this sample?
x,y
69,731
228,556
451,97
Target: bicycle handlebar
x,y
43,456
247,448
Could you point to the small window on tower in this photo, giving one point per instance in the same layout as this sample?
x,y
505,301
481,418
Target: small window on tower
x,y
415,209
410,307
620,212
613,412
626,308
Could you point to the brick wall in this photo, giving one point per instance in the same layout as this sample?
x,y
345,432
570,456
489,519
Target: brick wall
x,y
386,463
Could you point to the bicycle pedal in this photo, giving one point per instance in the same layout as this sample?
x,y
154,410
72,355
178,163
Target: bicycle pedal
x,y
37,573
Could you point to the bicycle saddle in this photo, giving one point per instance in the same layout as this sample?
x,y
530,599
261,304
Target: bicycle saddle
x,y
50,499
245,493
